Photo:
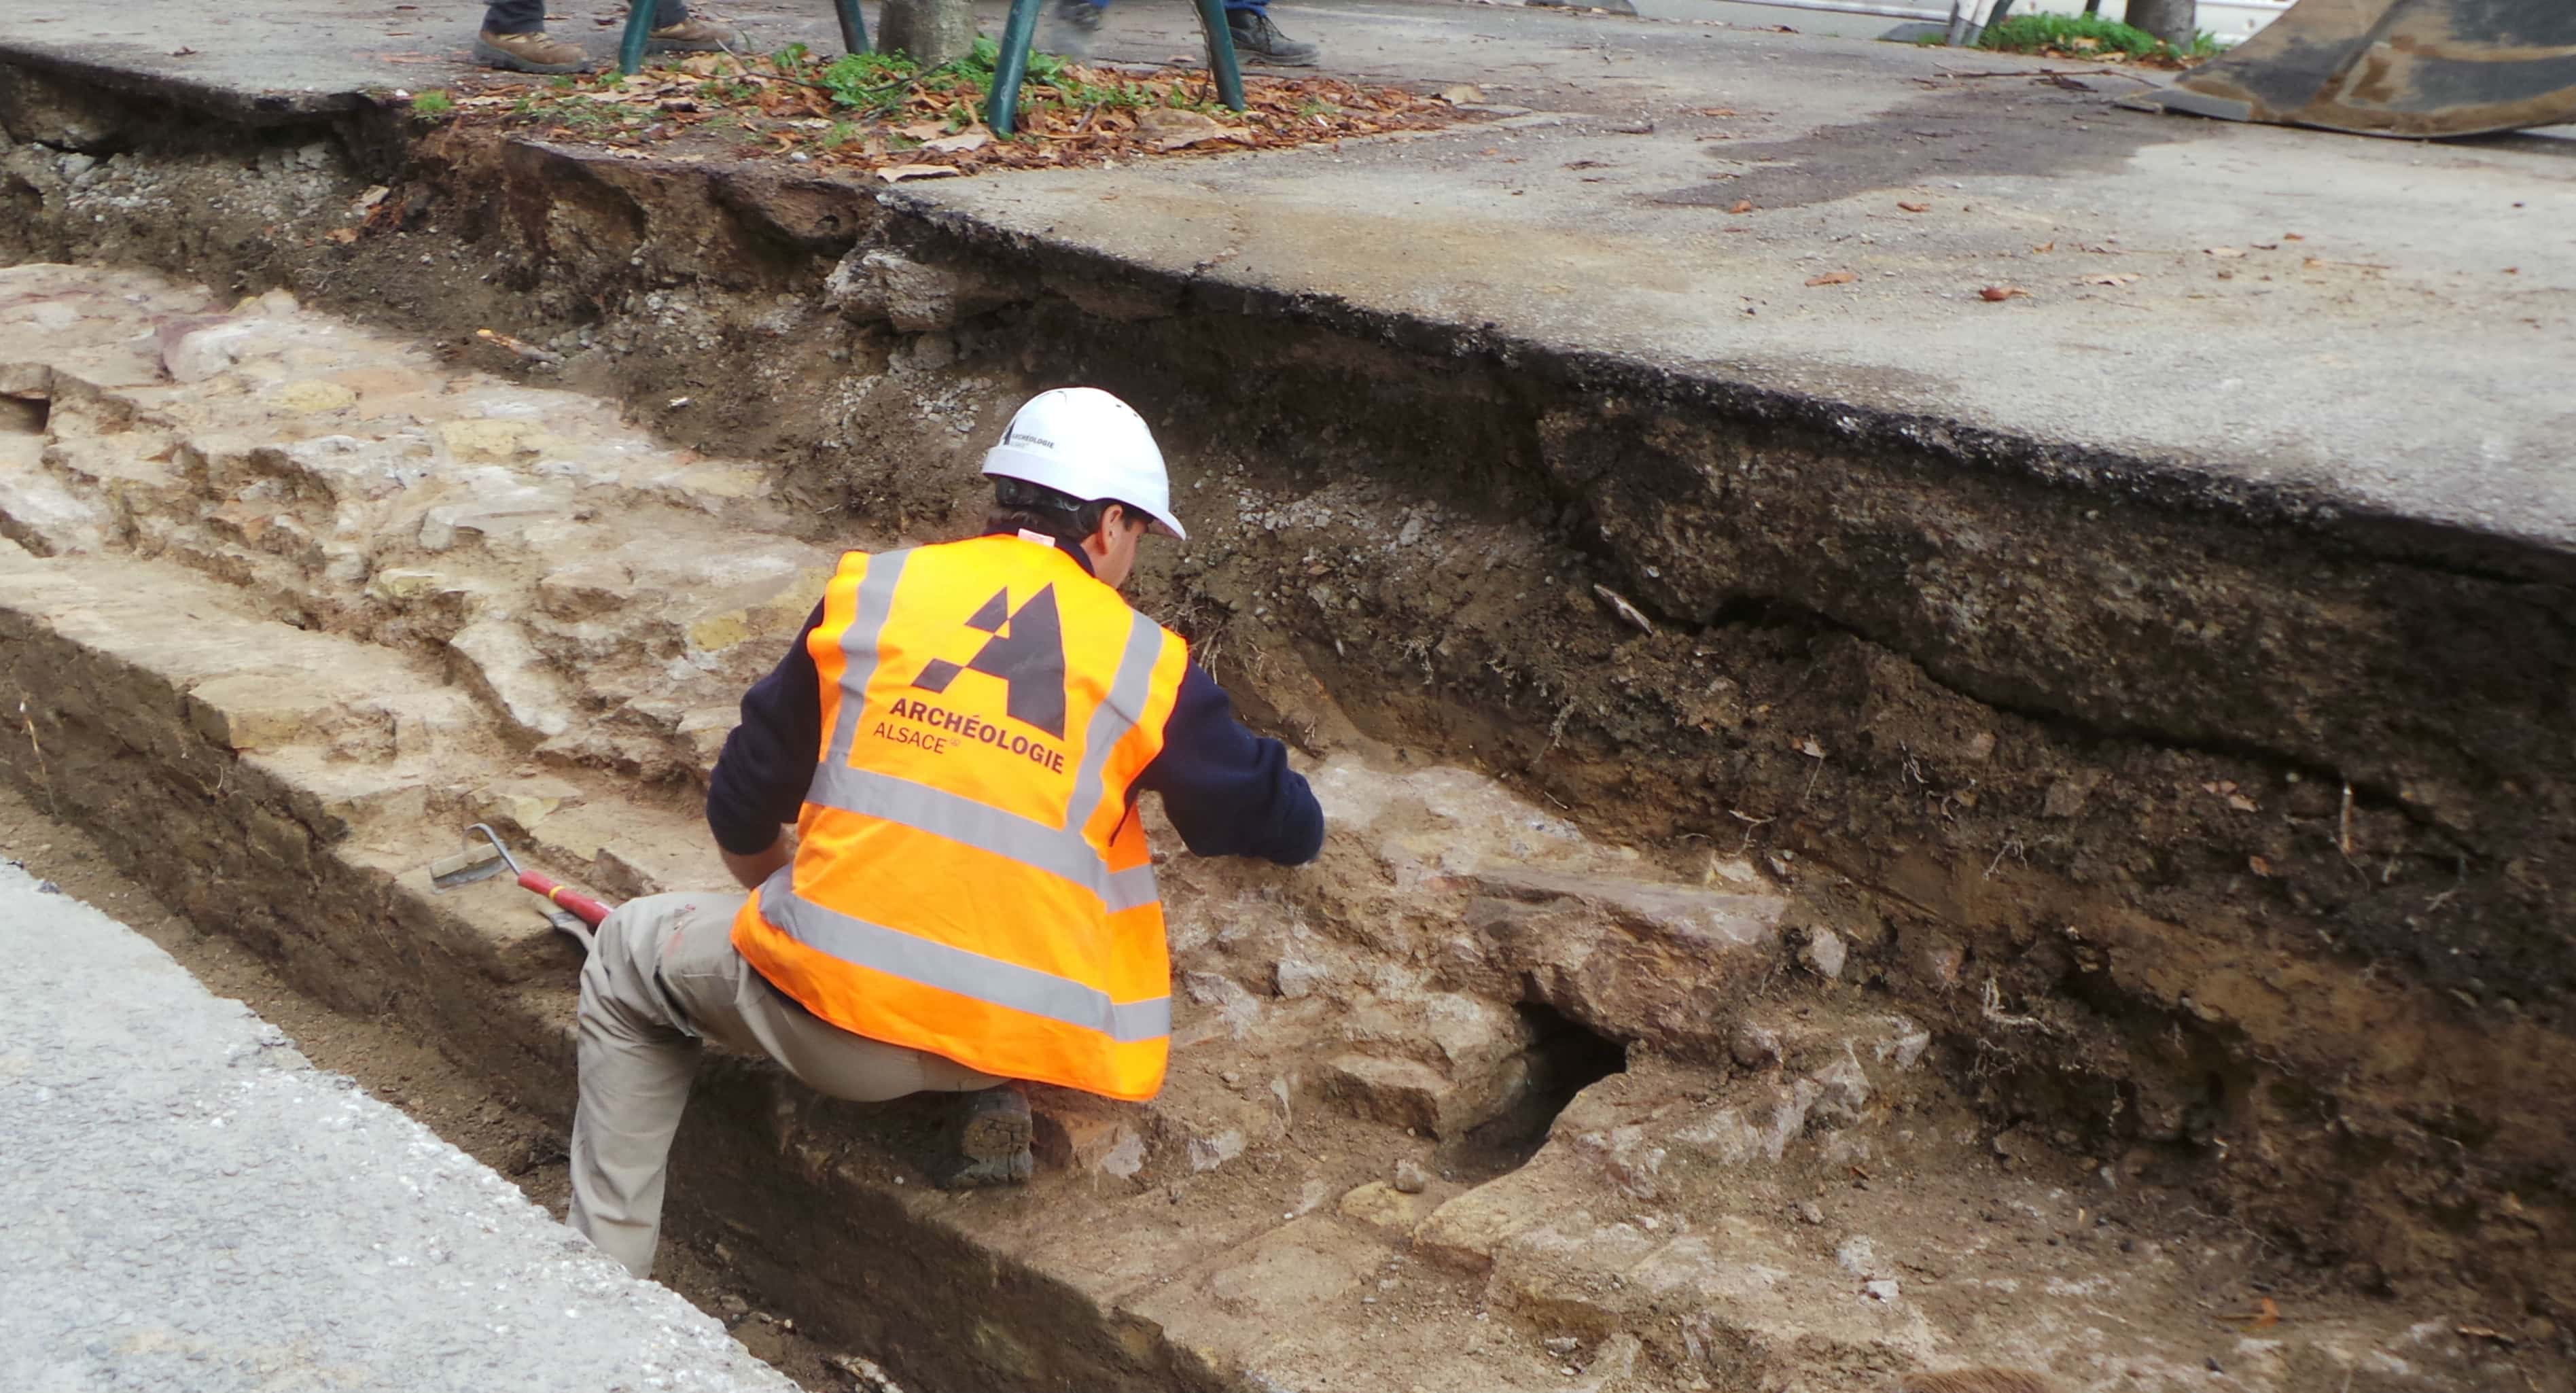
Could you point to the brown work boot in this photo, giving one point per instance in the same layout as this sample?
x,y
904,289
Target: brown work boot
x,y
529,53
696,36
990,1142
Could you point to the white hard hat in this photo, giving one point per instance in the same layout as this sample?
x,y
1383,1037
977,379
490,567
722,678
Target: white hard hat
x,y
1089,445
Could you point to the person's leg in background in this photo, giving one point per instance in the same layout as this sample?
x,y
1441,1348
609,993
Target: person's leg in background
x,y
514,37
1257,40
1076,27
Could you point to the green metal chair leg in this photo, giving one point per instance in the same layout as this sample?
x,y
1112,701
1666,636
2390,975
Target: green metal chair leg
x,y
1002,104
854,26
639,27
1221,60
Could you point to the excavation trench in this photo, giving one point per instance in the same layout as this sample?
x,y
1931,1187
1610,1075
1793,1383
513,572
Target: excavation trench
x,y
1887,797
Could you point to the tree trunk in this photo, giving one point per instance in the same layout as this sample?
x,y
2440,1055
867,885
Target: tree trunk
x,y
2174,21
931,32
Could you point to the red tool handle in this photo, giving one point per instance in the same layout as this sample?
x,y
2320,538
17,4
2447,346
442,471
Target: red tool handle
x,y
589,910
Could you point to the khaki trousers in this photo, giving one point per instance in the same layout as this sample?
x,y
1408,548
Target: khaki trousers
x,y
663,976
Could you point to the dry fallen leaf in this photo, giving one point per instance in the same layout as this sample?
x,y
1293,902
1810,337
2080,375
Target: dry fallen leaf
x,y
2240,803
1833,278
2258,866
342,235
2003,292
2109,278
1717,111
959,143
1168,122
520,347
2265,1315
1183,142
1463,92
2044,248
1742,205
1810,748
2293,237
897,173
1916,207
2223,251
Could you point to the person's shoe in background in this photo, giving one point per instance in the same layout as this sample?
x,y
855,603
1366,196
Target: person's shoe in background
x,y
529,53
696,36
1258,40
1075,28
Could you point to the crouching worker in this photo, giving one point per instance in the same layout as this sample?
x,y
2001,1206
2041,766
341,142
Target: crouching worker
x,y
960,736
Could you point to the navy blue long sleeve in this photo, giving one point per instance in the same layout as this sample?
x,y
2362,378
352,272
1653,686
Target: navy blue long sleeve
x,y
760,779
1228,791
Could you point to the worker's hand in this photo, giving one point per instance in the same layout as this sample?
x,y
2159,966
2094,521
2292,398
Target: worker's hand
x,y
751,870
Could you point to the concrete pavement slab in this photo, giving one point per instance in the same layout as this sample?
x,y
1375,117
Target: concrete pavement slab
x,y
193,1206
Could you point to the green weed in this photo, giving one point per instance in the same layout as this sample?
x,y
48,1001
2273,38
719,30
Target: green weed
x,y
2035,33
583,114
433,103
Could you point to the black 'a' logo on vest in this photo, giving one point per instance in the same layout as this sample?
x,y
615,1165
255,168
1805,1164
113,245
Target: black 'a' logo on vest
x,y
1026,651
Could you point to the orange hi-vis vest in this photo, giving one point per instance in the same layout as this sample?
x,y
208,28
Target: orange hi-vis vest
x,y
969,878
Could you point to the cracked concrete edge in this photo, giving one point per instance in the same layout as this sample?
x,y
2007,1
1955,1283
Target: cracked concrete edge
x,y
2123,479
255,107
2175,482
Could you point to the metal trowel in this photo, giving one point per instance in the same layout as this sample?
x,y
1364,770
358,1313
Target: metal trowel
x,y
574,915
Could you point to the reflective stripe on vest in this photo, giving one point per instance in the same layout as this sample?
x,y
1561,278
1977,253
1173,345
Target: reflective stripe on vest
x,y
956,970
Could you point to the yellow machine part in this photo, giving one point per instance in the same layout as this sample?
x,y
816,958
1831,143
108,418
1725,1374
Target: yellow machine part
x,y
2408,68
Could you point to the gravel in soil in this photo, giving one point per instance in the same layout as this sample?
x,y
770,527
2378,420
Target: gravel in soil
x,y
401,1070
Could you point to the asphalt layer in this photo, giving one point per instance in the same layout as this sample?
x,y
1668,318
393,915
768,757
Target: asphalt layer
x,y
2235,315
191,1206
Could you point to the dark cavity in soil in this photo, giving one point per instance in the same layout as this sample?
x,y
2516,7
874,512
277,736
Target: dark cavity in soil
x,y
1564,1058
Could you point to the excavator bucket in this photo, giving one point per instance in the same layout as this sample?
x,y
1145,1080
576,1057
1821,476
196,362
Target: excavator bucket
x,y
2409,68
